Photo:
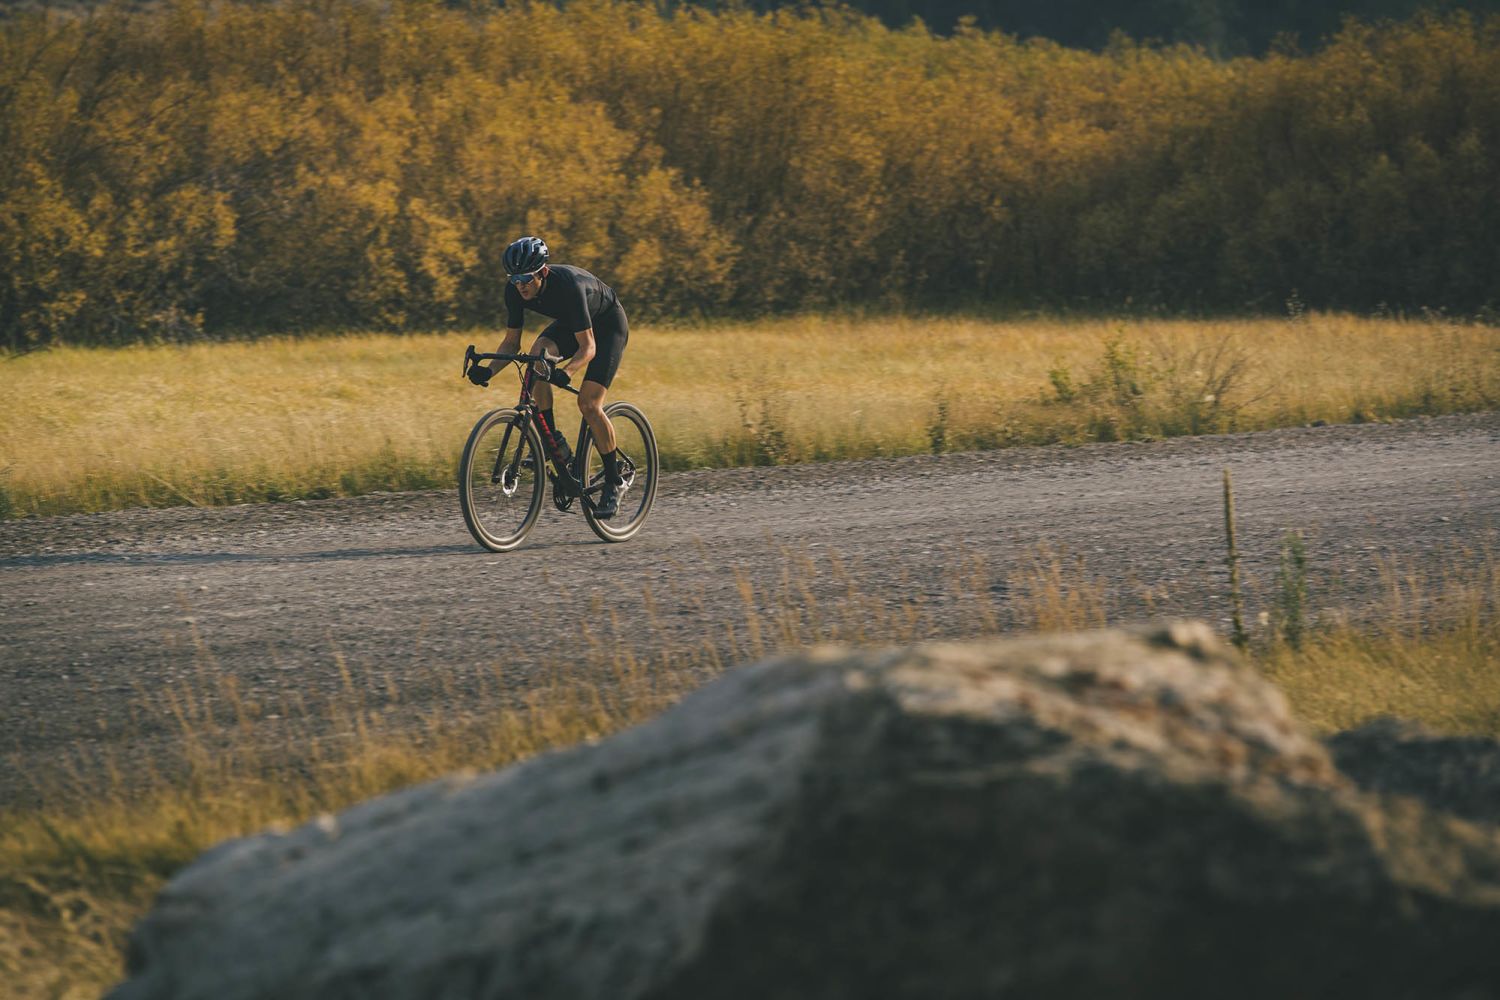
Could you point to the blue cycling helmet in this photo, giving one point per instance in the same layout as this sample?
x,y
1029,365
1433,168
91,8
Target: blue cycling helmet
x,y
525,255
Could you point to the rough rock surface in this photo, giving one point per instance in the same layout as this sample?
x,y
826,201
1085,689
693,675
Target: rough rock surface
x,y
1457,774
1105,814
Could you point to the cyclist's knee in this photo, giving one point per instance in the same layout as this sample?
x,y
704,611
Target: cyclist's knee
x,y
590,399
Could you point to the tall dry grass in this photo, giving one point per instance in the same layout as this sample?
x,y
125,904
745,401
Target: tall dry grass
x,y
1431,652
97,429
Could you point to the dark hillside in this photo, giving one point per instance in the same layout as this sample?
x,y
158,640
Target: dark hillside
x,y
1224,27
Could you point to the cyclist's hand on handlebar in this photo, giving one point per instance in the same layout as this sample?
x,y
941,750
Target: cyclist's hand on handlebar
x,y
480,375
559,377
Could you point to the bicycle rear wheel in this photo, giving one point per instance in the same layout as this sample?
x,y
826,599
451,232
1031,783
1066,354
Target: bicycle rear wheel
x,y
635,443
501,479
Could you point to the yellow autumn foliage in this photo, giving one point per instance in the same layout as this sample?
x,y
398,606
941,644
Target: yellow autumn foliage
x,y
218,168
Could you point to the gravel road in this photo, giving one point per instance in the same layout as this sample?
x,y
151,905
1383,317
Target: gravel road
x,y
95,610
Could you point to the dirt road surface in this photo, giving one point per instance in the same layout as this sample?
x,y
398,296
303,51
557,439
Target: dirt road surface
x,y
97,610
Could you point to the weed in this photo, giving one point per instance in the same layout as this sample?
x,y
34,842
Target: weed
x,y
1296,309
1204,385
937,428
1195,387
1052,592
1290,615
763,424
1061,380
1117,392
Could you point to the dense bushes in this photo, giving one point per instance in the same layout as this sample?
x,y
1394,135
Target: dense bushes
x,y
1226,27
234,168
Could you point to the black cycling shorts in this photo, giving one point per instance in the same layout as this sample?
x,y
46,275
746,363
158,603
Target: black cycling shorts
x,y
611,330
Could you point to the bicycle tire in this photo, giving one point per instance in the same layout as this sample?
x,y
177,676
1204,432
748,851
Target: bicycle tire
x,y
500,516
636,442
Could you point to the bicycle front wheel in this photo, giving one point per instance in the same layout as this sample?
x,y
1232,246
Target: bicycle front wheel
x,y
635,444
501,479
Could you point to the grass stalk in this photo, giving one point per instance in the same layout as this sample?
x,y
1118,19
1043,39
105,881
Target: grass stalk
x,y
1236,598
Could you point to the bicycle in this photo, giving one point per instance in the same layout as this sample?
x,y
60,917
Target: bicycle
x,y
505,466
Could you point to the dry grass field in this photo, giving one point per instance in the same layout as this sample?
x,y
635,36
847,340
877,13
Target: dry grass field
x,y
97,429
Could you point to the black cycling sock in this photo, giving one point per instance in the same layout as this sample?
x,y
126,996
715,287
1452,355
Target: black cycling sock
x,y
611,466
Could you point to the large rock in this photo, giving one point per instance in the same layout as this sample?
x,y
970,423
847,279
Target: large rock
x,y
1456,774
1123,814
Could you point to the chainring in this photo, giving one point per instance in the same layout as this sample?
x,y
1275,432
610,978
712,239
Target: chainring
x,y
564,490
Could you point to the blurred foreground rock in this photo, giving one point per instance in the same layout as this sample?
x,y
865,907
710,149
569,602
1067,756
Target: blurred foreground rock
x,y
1456,774
1122,814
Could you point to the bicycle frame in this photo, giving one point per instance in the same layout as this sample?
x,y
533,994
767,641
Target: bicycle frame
x,y
571,478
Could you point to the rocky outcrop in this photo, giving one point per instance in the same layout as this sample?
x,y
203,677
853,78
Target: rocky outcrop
x,y
1455,774
1123,814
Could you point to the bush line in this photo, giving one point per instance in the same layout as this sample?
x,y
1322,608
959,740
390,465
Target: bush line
x,y
197,168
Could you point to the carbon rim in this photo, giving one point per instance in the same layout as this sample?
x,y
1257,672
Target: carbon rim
x,y
635,442
501,481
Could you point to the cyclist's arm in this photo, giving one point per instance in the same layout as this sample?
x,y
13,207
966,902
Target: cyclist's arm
x,y
515,318
585,351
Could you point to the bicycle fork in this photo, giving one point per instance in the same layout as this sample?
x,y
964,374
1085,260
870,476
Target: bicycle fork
x,y
508,475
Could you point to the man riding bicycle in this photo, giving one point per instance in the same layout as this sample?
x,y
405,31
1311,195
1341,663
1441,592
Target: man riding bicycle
x,y
588,328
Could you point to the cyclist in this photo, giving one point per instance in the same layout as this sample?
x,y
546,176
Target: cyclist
x,y
588,328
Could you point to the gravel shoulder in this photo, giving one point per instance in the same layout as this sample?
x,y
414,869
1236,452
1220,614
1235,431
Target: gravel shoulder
x,y
98,610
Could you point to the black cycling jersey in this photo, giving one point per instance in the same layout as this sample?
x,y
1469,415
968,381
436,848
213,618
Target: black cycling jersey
x,y
570,295
576,301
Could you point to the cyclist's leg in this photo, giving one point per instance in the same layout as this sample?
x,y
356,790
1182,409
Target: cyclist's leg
x,y
591,405
610,334
553,340
541,392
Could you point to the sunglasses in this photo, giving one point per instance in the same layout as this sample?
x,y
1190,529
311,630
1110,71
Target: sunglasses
x,y
525,279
